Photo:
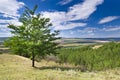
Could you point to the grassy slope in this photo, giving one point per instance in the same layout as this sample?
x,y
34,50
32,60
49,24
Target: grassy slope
x,y
13,67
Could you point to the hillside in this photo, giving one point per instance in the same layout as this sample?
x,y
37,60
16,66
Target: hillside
x,y
14,67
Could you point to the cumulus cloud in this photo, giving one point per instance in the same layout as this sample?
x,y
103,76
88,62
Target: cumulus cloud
x,y
84,10
108,19
4,31
65,20
10,7
11,21
60,20
63,2
6,34
9,13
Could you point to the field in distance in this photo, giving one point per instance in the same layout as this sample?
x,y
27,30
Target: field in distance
x,y
73,42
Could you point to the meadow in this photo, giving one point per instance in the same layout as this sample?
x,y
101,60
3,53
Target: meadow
x,y
14,67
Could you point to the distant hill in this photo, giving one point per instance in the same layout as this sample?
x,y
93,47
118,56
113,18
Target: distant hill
x,y
87,40
104,39
3,39
78,40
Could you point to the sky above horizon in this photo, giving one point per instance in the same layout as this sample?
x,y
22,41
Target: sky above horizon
x,y
74,18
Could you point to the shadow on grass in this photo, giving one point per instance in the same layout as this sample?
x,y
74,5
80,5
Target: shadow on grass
x,y
62,68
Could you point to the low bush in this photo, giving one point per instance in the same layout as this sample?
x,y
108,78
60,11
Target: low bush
x,y
0,52
105,57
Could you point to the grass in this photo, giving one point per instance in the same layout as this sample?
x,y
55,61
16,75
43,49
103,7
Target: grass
x,y
14,67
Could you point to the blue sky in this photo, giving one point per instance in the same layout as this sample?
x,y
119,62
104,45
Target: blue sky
x,y
74,18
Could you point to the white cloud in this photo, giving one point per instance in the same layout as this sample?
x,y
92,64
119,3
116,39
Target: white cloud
x,y
115,28
63,2
69,25
5,34
62,20
87,30
71,32
4,31
11,21
10,7
84,10
108,19
3,26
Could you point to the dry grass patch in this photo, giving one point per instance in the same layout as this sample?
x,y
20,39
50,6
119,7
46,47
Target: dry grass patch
x,y
97,46
14,67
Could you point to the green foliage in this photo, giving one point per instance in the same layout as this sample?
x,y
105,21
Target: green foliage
x,y
34,36
17,46
0,52
105,57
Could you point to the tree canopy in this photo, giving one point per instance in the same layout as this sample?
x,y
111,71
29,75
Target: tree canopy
x,y
34,37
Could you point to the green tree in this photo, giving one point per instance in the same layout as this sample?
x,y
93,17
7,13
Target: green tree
x,y
35,34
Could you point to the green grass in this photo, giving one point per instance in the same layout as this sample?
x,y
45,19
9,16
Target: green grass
x,y
13,67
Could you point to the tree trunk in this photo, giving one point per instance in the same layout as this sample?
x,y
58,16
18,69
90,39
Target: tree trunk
x,y
33,59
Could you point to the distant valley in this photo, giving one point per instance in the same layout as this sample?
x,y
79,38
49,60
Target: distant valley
x,y
79,40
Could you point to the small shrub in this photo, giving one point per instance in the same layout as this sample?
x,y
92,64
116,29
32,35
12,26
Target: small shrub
x,y
0,52
105,57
